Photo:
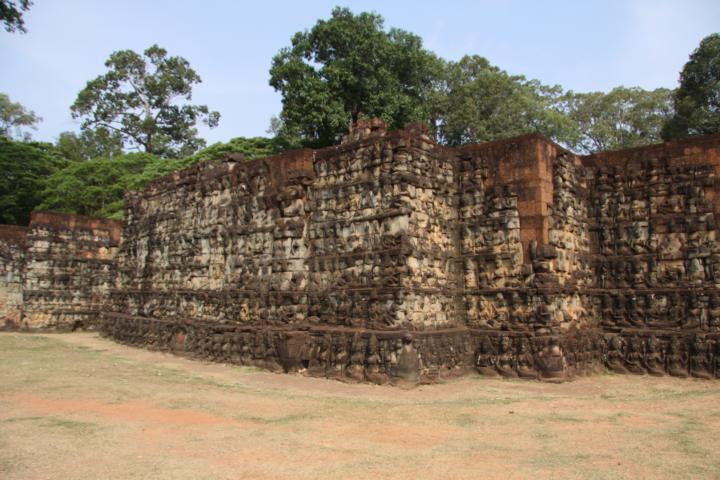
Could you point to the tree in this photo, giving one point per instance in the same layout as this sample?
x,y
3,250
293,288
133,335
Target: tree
x,y
250,147
24,169
100,142
11,14
14,117
621,118
348,67
137,98
697,99
479,102
96,186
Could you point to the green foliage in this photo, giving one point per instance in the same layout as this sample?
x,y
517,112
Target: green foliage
x,y
345,68
697,99
478,102
348,67
13,117
621,118
137,98
24,169
251,148
96,143
11,14
96,187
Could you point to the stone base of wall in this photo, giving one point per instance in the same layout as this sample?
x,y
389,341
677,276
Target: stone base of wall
x,y
356,355
655,352
385,357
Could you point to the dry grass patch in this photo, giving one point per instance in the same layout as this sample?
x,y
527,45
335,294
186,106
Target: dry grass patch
x,y
78,406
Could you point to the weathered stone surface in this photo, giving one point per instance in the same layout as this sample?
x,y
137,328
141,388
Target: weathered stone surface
x,y
390,259
12,262
64,265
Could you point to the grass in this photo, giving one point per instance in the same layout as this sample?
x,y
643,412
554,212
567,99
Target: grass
x,y
55,422
609,426
561,418
688,390
554,459
683,434
545,435
465,420
281,420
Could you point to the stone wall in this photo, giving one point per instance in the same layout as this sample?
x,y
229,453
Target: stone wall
x,y
307,260
386,258
67,270
12,261
389,258
656,256
522,231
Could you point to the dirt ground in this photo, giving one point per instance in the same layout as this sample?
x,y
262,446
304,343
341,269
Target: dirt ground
x,y
79,406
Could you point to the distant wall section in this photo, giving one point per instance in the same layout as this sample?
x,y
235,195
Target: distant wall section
x,y
68,269
12,263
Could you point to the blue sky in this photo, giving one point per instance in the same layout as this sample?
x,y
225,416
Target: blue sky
x,y
581,45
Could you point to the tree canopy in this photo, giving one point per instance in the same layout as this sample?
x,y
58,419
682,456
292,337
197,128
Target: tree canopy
x,y
24,171
96,187
138,99
348,67
250,147
14,118
697,99
478,102
11,14
96,143
621,118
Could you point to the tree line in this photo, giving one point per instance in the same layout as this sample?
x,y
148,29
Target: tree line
x,y
137,122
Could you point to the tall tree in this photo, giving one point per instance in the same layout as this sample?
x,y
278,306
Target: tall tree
x,y
479,102
697,99
100,142
24,170
621,118
348,67
138,98
14,118
11,14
